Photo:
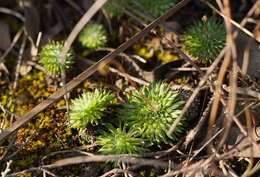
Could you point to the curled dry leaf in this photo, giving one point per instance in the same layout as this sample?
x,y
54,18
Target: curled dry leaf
x,y
25,69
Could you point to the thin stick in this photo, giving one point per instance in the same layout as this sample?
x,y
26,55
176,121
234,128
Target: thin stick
x,y
231,56
190,69
12,12
7,169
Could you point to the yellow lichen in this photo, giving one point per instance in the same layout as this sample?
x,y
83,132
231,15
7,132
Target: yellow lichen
x,y
166,56
47,131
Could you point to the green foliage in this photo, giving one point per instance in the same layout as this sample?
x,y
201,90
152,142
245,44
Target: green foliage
x,y
50,58
205,39
119,141
89,108
112,11
157,8
151,111
93,36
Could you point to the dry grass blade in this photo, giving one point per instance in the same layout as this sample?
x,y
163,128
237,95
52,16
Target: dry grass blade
x,y
88,72
117,171
230,56
104,158
12,12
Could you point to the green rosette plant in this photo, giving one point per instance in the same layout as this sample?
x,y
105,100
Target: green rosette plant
x,y
50,58
93,36
205,39
151,111
157,8
119,141
89,108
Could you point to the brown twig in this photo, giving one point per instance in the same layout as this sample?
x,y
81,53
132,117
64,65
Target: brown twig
x,y
12,12
104,158
118,171
230,56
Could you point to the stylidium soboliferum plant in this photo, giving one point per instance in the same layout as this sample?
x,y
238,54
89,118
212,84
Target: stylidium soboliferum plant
x,y
89,108
50,58
93,36
151,111
204,39
144,119
119,141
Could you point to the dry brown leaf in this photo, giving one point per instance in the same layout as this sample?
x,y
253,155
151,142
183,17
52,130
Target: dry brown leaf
x,y
25,69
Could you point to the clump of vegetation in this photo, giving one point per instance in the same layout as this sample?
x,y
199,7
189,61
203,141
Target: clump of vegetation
x,y
204,39
119,141
151,111
157,8
145,118
50,58
112,11
89,108
93,36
